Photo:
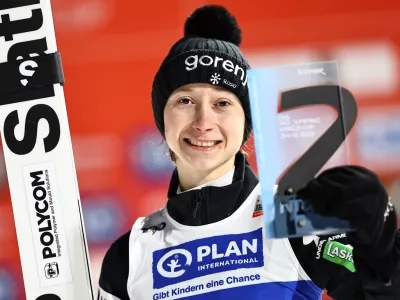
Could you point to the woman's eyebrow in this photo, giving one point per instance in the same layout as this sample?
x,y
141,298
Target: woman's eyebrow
x,y
185,89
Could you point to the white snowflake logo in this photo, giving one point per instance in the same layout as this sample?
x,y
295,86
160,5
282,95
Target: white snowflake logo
x,y
215,78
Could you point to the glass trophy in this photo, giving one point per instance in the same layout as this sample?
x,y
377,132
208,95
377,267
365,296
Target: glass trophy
x,y
301,118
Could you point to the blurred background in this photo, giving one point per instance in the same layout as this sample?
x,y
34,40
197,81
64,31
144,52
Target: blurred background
x,y
112,49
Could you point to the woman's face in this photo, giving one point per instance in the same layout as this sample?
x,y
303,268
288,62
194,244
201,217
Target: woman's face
x,y
204,126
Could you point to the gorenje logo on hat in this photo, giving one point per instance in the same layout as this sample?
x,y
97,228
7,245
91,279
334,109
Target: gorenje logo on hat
x,y
193,61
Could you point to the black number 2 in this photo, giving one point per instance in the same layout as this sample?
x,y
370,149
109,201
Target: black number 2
x,y
307,166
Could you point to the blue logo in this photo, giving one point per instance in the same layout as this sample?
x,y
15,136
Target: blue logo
x,y
149,155
104,218
379,136
8,288
207,256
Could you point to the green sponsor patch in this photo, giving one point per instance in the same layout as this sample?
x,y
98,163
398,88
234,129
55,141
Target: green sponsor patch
x,y
339,254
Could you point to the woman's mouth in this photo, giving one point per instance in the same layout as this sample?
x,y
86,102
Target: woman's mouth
x,y
202,144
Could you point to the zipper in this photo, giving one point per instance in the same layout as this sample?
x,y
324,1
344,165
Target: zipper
x,y
196,210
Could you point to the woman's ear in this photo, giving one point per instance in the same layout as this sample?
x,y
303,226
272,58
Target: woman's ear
x,y
172,155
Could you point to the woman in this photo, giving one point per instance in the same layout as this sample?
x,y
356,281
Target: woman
x,y
208,242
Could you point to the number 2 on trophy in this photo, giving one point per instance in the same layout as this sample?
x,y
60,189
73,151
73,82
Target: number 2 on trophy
x,y
307,166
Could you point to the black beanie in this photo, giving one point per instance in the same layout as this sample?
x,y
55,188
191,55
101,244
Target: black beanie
x,y
208,53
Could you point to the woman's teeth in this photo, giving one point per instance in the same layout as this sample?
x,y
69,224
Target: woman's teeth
x,y
202,143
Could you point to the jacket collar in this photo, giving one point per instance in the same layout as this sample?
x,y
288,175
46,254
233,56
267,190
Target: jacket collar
x,y
211,204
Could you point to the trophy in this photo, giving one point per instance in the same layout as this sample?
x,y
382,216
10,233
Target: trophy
x,y
301,118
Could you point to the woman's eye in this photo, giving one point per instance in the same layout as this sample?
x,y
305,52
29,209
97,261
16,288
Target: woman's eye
x,y
223,103
185,101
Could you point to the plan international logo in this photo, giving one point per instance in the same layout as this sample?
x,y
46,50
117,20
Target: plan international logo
x,y
207,256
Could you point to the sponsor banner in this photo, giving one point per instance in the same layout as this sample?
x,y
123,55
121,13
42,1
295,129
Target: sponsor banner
x,y
378,139
8,285
104,218
148,157
47,224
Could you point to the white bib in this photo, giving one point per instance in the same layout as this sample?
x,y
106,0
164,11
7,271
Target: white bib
x,y
229,259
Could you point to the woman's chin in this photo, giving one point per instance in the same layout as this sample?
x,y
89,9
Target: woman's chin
x,y
204,163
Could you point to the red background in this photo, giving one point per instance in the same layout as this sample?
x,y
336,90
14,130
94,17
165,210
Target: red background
x,y
111,51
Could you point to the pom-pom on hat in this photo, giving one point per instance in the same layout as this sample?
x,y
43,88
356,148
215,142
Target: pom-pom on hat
x,y
208,53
